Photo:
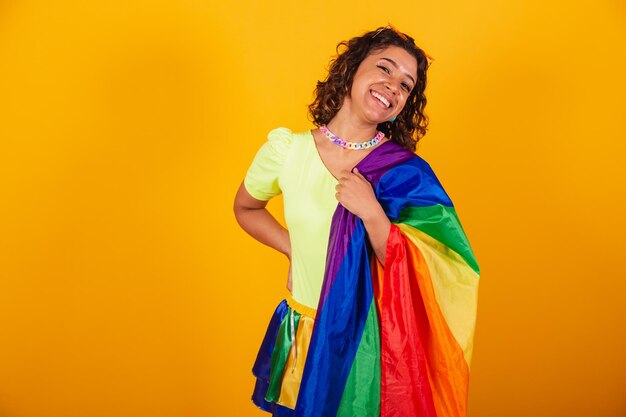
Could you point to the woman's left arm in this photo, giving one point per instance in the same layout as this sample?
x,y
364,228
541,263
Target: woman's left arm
x,y
378,226
356,194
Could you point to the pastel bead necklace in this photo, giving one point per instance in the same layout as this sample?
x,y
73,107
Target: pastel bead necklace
x,y
351,145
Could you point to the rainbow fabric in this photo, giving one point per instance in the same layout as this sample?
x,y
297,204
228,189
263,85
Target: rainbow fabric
x,y
394,341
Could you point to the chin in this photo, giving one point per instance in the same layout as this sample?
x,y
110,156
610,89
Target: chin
x,y
375,117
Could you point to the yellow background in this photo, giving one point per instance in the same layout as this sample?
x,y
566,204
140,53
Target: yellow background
x,y
127,287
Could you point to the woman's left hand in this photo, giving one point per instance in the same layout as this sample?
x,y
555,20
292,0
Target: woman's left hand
x,y
356,194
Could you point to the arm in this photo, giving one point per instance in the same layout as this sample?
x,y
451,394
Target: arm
x,y
378,227
257,221
356,194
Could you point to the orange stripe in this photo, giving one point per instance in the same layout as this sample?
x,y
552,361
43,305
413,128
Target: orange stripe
x,y
448,370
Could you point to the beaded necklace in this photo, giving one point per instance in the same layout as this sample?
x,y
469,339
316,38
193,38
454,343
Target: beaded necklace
x,y
351,145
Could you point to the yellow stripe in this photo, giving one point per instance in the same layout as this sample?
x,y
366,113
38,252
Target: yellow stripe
x,y
455,285
293,369
292,375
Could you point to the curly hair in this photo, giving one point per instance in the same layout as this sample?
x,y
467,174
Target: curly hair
x,y
411,123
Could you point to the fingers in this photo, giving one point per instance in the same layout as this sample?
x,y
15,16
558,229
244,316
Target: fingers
x,y
346,179
358,173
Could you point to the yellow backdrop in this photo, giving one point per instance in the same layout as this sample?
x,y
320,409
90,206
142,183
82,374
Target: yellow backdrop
x,y
127,288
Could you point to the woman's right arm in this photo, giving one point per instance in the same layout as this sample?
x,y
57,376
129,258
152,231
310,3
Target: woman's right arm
x,y
257,221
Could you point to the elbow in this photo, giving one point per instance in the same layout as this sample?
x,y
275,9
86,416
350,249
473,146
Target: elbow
x,y
245,203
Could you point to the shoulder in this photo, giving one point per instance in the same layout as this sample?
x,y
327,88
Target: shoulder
x,y
410,165
279,139
263,176
282,139
280,134
413,177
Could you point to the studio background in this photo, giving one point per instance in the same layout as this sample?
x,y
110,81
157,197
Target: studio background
x,y
127,288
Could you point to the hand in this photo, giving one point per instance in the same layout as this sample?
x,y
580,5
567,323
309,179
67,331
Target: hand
x,y
356,194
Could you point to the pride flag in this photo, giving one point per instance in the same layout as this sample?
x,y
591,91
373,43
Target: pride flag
x,y
394,341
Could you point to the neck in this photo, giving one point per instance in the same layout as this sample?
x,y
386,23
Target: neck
x,y
350,128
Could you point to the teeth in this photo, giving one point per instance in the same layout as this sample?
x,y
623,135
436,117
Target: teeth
x,y
381,98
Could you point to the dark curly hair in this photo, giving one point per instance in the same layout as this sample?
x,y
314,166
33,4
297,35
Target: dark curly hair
x,y
411,123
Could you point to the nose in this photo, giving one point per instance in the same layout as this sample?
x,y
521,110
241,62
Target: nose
x,y
391,86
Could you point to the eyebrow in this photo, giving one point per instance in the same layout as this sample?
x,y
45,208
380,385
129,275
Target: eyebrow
x,y
396,65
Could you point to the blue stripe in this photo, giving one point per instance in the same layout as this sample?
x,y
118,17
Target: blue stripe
x,y
337,333
412,183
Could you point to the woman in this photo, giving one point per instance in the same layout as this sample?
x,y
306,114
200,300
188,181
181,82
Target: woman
x,y
380,318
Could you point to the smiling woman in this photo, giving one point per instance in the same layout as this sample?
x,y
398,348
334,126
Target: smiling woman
x,y
392,65
379,318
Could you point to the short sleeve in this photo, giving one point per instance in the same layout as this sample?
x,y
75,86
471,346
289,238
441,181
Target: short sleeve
x,y
261,180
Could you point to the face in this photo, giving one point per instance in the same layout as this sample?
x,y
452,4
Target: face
x,y
382,84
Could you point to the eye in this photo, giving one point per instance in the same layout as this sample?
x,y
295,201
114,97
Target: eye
x,y
406,87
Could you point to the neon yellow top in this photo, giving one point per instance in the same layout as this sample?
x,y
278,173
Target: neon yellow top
x,y
289,163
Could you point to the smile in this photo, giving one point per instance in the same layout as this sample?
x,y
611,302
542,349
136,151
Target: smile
x,y
381,99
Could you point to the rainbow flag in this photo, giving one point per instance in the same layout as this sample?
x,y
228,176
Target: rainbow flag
x,y
394,341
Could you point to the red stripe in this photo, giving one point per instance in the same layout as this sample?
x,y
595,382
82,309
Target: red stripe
x,y
405,387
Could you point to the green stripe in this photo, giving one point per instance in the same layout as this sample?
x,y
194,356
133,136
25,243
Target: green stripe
x,y
442,223
361,396
281,353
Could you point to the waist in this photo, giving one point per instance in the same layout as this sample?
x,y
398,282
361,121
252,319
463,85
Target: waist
x,y
299,307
